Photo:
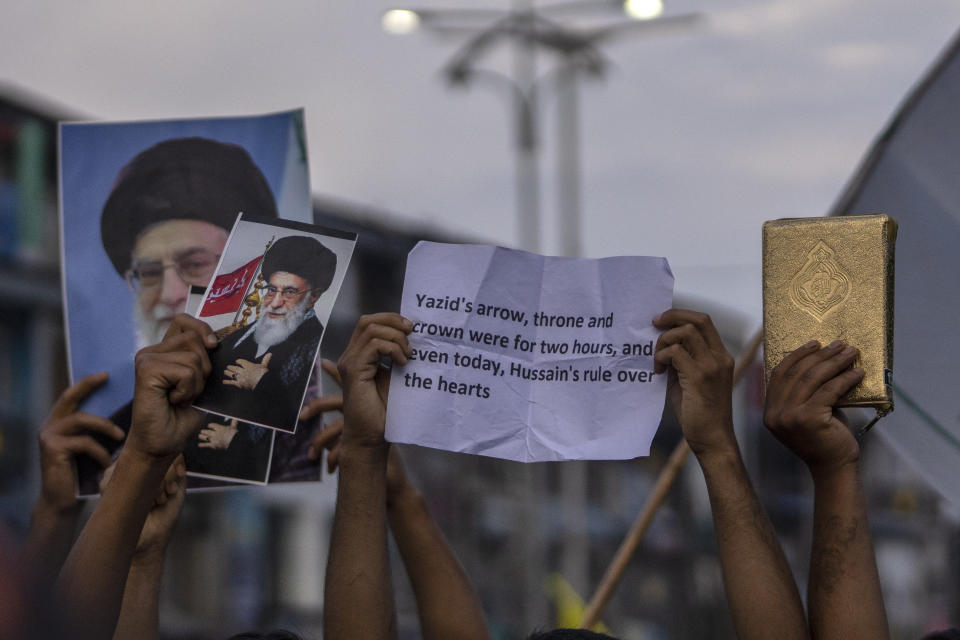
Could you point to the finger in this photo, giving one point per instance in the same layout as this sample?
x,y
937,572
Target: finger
x,y
71,398
105,478
387,333
266,359
172,476
802,379
186,342
388,319
783,380
795,356
320,405
333,459
76,423
363,360
183,323
674,356
331,368
831,391
181,369
206,445
326,438
703,323
378,347
86,445
184,384
231,383
687,335
776,390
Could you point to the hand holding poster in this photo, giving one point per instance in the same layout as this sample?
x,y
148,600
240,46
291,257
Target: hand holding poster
x,y
527,357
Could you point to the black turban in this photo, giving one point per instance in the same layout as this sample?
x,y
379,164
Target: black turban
x,y
303,256
184,178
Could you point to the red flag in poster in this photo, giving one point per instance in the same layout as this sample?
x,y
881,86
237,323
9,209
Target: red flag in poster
x,y
227,290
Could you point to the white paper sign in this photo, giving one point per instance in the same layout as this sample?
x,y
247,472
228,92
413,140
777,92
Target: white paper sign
x,y
530,358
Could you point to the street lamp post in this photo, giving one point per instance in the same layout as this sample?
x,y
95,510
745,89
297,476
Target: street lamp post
x,y
530,29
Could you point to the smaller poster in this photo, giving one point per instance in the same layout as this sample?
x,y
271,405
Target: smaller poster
x,y
269,300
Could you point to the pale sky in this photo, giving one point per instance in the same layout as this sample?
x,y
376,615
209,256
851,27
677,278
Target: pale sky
x,y
693,139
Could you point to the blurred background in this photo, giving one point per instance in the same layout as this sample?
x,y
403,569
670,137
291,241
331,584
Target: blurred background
x,y
570,128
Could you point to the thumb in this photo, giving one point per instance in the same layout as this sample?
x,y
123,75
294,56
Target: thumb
x,y
266,359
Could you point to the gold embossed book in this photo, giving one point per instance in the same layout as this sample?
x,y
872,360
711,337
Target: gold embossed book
x,y
832,279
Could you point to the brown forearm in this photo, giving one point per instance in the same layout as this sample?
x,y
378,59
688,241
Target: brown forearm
x,y
760,587
91,585
140,612
447,604
48,543
844,593
358,597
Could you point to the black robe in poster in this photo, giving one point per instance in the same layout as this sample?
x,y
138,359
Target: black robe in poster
x,y
275,401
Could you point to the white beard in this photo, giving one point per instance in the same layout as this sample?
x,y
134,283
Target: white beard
x,y
151,327
270,331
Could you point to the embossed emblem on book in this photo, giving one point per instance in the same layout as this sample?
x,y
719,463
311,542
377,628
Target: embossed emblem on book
x,y
821,285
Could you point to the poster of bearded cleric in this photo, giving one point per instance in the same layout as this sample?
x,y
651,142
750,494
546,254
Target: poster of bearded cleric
x,y
145,211
269,301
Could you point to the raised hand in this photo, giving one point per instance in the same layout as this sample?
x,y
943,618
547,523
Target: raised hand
x,y
800,409
65,435
169,376
700,383
365,382
329,436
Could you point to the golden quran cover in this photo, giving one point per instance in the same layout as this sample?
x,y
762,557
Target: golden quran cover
x,y
832,279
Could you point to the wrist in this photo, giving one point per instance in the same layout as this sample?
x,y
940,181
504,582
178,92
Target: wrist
x,y
144,459
49,509
150,556
835,472
722,443
363,453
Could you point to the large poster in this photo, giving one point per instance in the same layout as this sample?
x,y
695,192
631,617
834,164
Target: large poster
x,y
145,211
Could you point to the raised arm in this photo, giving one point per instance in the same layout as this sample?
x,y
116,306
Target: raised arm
x,y
168,376
844,595
760,588
65,435
358,598
140,611
447,604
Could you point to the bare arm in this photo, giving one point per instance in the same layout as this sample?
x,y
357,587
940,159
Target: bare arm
x,y
845,599
139,612
168,376
760,588
447,603
54,517
358,599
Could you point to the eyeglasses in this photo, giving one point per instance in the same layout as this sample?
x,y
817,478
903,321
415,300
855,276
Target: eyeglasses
x,y
194,266
287,293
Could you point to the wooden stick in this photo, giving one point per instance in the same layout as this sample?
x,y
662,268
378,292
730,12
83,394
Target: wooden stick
x,y
611,578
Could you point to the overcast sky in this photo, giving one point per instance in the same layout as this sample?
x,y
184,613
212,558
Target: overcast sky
x,y
693,139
